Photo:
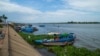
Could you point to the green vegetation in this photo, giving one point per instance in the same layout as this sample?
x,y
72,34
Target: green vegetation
x,y
73,22
3,18
32,37
1,26
60,50
73,51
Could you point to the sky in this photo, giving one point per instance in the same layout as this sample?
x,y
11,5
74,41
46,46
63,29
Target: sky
x,y
46,11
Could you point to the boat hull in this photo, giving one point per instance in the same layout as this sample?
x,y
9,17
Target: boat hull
x,y
59,43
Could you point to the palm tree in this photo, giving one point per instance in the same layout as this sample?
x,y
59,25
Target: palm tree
x,y
4,17
0,18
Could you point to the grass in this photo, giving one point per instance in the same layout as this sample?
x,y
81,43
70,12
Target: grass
x,y
34,37
73,51
59,50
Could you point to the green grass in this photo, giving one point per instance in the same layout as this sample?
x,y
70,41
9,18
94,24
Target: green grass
x,y
34,37
58,50
73,51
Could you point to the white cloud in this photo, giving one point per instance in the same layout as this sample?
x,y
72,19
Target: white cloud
x,y
26,14
87,5
48,0
5,0
10,7
18,13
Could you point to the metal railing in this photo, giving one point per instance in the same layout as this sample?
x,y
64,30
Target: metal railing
x,y
9,42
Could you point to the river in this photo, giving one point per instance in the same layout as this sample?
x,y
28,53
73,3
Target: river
x,y
88,35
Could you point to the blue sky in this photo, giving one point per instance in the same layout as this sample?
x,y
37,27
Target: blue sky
x,y
38,11
42,5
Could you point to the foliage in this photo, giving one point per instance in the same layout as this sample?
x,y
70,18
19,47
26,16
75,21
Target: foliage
x,y
34,37
1,20
73,51
1,26
4,16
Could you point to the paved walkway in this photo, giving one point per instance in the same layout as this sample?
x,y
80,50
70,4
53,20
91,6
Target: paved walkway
x,y
4,43
18,46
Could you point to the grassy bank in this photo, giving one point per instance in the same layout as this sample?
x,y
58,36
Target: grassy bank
x,y
59,50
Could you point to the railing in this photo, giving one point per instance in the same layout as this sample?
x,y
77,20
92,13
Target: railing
x,y
4,49
9,42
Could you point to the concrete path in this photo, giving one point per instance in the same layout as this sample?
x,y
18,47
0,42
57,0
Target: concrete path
x,y
14,45
4,43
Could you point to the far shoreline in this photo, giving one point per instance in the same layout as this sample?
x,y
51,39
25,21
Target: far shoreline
x,y
62,23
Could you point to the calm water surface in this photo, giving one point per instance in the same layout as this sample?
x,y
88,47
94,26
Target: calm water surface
x,y
88,35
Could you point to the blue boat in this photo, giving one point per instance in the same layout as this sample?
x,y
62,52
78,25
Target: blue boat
x,y
28,29
62,40
41,25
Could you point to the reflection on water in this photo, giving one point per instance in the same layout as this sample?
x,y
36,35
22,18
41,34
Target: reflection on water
x,y
88,35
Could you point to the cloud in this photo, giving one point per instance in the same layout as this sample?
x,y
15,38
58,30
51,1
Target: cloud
x,y
48,0
5,0
11,7
86,5
19,13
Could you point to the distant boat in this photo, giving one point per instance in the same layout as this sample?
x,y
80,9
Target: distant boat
x,y
62,41
28,29
41,25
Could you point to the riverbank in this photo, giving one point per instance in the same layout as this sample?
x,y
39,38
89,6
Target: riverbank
x,y
60,50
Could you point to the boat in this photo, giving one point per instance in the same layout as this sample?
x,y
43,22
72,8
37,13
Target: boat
x,y
69,39
41,25
28,29
52,33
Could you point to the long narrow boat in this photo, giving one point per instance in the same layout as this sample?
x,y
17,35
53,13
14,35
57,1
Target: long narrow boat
x,y
62,41
41,25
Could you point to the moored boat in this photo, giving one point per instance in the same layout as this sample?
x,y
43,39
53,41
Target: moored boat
x,y
41,25
69,39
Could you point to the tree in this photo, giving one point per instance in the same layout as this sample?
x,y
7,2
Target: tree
x,y
0,18
4,17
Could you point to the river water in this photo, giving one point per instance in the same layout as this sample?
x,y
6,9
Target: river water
x,y
88,35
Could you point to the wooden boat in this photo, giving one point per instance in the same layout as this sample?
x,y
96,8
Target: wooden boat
x,y
41,25
62,41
